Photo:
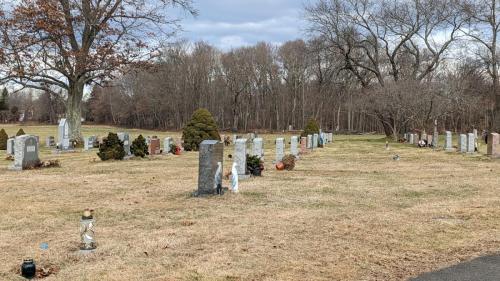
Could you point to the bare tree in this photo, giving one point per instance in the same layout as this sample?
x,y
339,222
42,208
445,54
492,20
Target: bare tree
x,y
74,43
483,27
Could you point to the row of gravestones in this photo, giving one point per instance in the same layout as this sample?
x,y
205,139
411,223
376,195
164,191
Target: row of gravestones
x,y
467,143
211,157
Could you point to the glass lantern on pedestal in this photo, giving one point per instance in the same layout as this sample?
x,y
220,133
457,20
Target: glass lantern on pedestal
x,y
87,223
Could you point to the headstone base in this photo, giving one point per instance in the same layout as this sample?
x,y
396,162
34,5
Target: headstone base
x,y
14,168
197,194
59,151
243,177
86,252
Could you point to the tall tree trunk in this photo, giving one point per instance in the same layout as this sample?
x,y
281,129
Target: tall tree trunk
x,y
74,110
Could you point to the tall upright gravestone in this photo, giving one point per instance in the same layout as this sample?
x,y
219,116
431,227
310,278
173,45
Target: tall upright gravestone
x,y
309,141
11,146
494,145
471,143
448,141
462,143
210,167
294,146
303,145
167,145
435,137
280,149
154,147
26,153
240,157
315,140
63,139
258,147
125,138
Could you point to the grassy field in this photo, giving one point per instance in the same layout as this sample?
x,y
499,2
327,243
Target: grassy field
x,y
347,212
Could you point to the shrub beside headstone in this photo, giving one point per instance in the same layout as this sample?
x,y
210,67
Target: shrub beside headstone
x,y
139,147
3,139
20,132
201,127
111,148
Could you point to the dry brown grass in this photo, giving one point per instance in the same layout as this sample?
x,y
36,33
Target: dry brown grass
x,y
347,212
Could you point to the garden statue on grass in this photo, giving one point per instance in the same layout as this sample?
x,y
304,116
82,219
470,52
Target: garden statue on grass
x,y
218,179
234,180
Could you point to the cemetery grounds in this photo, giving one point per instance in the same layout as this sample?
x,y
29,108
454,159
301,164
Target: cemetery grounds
x,y
347,212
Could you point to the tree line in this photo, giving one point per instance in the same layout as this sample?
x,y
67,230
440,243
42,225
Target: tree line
x,y
365,66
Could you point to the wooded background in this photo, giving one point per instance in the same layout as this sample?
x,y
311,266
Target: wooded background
x,y
366,66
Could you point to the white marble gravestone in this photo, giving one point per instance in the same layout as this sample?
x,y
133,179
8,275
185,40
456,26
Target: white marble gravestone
x,y
294,146
471,143
462,143
309,141
11,146
258,147
26,153
448,146
411,138
315,140
63,131
280,149
167,145
240,157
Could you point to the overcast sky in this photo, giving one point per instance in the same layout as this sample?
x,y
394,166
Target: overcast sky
x,y
234,23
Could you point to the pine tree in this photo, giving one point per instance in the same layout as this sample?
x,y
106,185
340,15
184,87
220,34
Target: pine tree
x,y
20,132
139,147
3,139
111,148
201,127
311,128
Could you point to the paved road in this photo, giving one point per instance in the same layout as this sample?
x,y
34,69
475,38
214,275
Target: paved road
x,y
480,269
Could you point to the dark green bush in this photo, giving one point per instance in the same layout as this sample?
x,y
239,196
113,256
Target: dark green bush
x,y
111,148
139,147
20,132
311,128
201,127
3,139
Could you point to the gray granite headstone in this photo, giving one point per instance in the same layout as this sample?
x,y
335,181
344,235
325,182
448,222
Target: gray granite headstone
x,y
89,142
315,140
471,143
493,149
167,145
280,149
50,142
11,146
448,146
26,153
412,138
309,141
294,146
435,139
258,147
63,138
125,138
462,143
240,157
211,160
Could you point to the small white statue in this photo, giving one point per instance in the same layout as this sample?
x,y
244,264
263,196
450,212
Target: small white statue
x,y
234,180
